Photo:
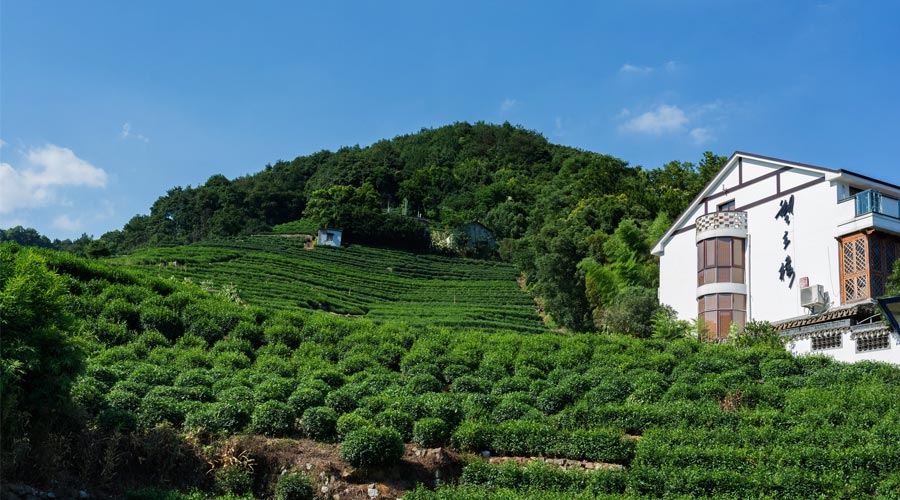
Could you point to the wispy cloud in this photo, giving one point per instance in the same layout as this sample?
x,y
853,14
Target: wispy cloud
x,y
700,135
630,68
558,128
663,119
508,105
634,69
127,133
50,168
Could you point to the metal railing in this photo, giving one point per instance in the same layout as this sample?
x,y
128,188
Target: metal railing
x,y
871,201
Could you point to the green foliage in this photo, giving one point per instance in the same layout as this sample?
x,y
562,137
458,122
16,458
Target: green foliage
x,y
234,479
430,432
272,418
372,446
40,359
294,486
319,423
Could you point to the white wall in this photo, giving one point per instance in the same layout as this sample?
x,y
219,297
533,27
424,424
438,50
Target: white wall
x,y
847,351
813,249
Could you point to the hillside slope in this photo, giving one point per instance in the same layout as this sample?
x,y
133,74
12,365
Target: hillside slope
x,y
153,378
380,284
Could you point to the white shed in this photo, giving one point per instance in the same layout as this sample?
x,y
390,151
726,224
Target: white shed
x,y
329,237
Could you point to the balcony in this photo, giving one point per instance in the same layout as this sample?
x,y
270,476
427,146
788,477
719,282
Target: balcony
x,y
870,201
728,223
868,209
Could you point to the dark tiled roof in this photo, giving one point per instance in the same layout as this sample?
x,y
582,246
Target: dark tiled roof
x,y
858,310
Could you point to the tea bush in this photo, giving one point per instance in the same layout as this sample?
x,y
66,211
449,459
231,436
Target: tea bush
x,y
372,446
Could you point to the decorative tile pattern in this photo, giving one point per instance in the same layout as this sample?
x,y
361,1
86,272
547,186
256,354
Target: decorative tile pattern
x,y
722,220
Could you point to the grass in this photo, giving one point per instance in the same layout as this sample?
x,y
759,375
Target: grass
x,y
380,284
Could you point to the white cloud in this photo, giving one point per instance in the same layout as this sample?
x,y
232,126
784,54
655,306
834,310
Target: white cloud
x,y
630,68
700,135
671,66
2,143
558,128
664,119
66,223
126,133
508,105
51,167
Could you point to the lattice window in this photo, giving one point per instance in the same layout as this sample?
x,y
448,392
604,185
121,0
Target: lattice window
x,y
877,285
877,262
854,268
873,342
827,341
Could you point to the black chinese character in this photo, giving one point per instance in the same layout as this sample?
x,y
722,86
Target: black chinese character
x,y
786,210
787,270
787,242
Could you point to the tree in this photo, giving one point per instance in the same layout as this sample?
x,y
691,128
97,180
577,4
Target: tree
x,y
39,356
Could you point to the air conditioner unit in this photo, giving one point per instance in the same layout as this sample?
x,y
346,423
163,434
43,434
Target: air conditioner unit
x,y
812,296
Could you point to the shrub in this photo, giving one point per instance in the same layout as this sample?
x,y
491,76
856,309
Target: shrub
x,y
272,418
445,406
303,398
400,421
372,446
218,418
511,409
288,335
422,383
117,419
156,409
349,422
294,486
473,436
162,319
274,389
196,377
122,311
430,432
319,423
234,479
342,400
469,383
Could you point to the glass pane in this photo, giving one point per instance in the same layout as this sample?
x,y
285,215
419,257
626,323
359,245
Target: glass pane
x,y
724,323
738,252
723,275
737,275
723,250
700,304
740,302
710,253
709,276
700,256
724,301
710,302
711,325
739,319
700,280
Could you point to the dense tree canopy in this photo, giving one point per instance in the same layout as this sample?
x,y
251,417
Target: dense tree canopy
x,y
577,223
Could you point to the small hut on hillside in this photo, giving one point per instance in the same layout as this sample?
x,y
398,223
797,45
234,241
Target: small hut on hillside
x,y
329,237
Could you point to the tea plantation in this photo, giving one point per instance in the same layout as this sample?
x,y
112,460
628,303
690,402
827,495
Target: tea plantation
x,y
682,419
380,284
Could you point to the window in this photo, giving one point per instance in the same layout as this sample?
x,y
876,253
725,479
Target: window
x,y
728,206
719,310
826,341
329,236
720,260
873,342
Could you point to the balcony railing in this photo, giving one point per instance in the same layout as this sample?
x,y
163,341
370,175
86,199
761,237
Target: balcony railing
x,y
722,220
871,201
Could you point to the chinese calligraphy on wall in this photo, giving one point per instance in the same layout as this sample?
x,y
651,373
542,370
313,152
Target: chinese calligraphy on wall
x,y
786,211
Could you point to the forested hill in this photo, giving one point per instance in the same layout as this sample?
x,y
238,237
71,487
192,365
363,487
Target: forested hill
x,y
577,224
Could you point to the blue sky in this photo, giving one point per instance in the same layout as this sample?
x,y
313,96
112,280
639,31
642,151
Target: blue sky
x,y
106,105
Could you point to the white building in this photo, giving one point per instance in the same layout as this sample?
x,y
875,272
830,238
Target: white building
x,y
329,237
806,248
